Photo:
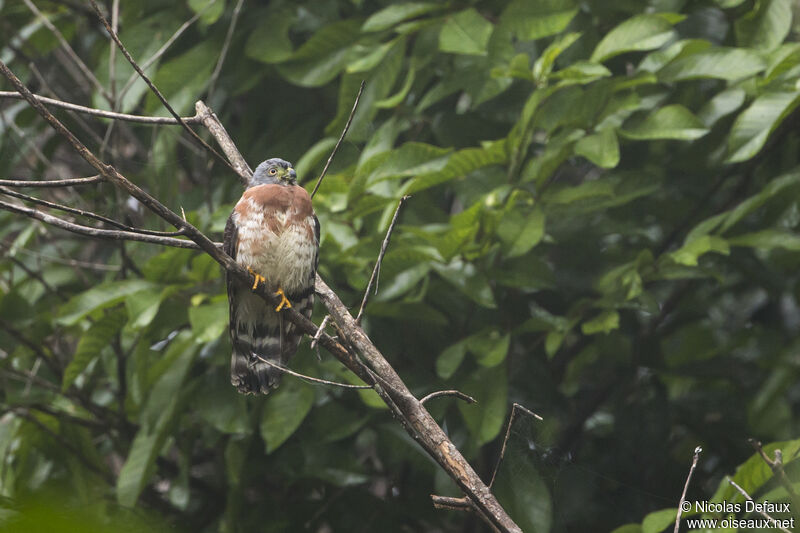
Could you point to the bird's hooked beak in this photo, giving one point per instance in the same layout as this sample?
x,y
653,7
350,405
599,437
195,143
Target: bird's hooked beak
x,y
289,174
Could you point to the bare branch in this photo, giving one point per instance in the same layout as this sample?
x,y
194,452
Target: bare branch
x,y
309,378
514,408
116,235
217,130
150,84
322,325
377,269
102,113
218,67
695,458
341,138
775,523
458,394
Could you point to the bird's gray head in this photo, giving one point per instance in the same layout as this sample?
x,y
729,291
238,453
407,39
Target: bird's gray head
x,y
274,171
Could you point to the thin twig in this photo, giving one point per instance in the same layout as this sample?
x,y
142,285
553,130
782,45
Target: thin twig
x,y
309,378
153,88
376,270
102,113
224,52
69,51
695,458
514,408
341,138
319,331
116,235
88,214
463,503
775,523
51,183
161,51
458,394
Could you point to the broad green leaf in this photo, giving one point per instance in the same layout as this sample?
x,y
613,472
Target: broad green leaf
x,y
489,386
520,230
269,41
220,405
641,32
657,521
721,105
210,10
91,343
182,80
605,322
466,278
723,63
754,125
409,160
450,359
323,56
143,306
766,26
655,61
459,165
690,252
581,72
209,321
523,492
783,61
99,297
754,473
156,423
601,148
534,19
489,347
284,411
395,13
670,122
397,98
374,55
466,32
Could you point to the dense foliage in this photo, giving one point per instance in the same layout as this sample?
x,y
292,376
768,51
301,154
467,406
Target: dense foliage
x,y
603,228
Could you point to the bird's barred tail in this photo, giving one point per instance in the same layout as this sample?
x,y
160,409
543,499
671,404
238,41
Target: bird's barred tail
x,y
275,342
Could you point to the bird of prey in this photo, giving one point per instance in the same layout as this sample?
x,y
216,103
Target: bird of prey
x,y
274,233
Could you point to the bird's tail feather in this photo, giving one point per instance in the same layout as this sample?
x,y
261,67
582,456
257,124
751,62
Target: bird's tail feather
x,y
249,374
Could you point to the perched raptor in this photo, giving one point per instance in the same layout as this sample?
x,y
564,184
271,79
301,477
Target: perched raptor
x,y
274,232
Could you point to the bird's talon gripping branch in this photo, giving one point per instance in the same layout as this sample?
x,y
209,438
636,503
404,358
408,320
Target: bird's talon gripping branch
x,y
284,300
259,278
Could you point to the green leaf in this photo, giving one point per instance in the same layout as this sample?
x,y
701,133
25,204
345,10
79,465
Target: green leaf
x,y
99,297
209,321
544,65
723,63
657,521
641,32
670,122
269,41
211,10
459,165
181,80
372,58
489,387
143,306
450,359
768,239
156,421
754,125
489,347
91,343
466,278
766,26
601,148
521,231
393,14
534,19
323,56
689,253
721,105
409,160
284,411
523,493
581,72
776,186
605,322
466,32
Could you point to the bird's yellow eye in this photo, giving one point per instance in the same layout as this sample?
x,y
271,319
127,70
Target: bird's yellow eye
x,y
272,172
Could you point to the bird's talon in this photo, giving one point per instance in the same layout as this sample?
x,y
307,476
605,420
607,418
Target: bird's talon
x,y
284,300
259,278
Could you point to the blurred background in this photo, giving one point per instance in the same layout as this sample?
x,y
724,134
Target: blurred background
x,y
602,227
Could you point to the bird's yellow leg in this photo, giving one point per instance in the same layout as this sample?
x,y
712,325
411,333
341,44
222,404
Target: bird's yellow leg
x,y
259,278
284,300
